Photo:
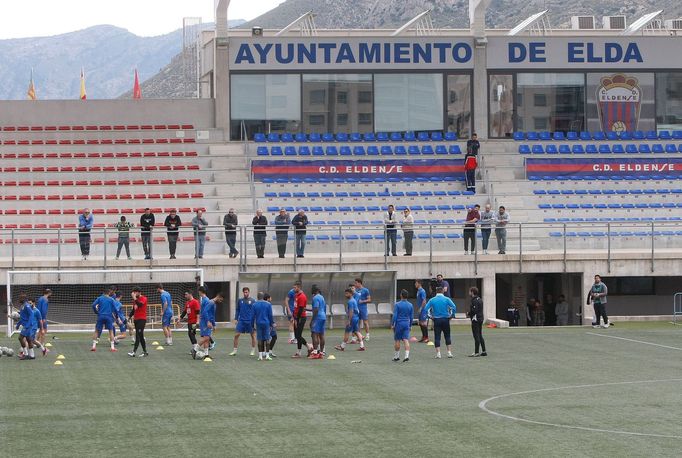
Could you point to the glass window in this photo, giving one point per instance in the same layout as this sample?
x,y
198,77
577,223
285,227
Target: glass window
x,y
332,103
620,101
408,102
264,103
669,101
459,105
558,100
501,112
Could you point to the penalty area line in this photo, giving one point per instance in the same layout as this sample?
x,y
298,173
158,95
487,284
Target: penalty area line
x,y
636,341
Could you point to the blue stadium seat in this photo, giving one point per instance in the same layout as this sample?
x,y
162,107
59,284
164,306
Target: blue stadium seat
x,y
604,148
413,150
537,149
259,137
396,137
331,151
400,150
263,151
450,136
369,137
427,149
341,194
355,137
599,136
276,151
290,151
315,137
382,137
638,135
303,151
369,194
441,149
272,209
644,148
284,195
270,194
612,136
664,135
577,149
558,135
345,151
631,149
564,149
273,137
545,136
387,150
437,136
318,151
539,192
618,149
551,149
426,193
519,136
585,136
423,136
341,137
328,137
372,150
625,136
524,149
300,137
670,148
409,136
657,148
454,192
345,210
287,137
572,136
591,149
359,150
454,149
651,135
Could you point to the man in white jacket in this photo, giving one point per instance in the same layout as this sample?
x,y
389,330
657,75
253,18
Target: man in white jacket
x,y
391,234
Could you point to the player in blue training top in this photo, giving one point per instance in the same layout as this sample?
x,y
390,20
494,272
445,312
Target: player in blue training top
x,y
43,305
26,323
120,318
243,315
364,298
352,327
421,307
318,324
262,313
289,305
105,308
441,309
403,312
206,321
37,326
273,330
166,313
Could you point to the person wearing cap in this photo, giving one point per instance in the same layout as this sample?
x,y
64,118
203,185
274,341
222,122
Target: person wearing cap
x,y
85,223
230,223
172,224
282,223
147,222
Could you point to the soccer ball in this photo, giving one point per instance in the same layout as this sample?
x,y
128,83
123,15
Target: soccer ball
x,y
10,352
3,350
15,316
618,126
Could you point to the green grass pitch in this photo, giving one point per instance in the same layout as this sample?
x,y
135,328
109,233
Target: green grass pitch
x,y
103,404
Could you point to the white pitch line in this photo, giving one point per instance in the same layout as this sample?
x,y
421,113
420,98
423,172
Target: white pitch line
x,y
636,341
483,406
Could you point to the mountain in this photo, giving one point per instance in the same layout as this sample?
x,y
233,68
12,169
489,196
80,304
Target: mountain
x,y
452,13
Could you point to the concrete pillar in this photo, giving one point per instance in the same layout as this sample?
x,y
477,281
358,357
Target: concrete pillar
x,y
221,74
480,82
489,296
587,310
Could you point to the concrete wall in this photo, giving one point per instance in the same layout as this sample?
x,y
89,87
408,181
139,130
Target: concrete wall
x,y
199,112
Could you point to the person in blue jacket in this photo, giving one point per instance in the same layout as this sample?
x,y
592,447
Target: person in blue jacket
x,y
403,312
85,223
262,314
441,309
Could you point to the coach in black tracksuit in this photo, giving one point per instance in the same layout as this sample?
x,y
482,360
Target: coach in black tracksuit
x,y
147,222
476,315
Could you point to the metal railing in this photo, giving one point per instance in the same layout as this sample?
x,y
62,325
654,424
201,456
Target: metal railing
x,y
677,306
346,242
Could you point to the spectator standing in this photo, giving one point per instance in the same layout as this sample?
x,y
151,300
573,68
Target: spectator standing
x,y
561,311
597,295
147,222
476,316
501,221
260,223
172,224
487,219
230,222
85,223
548,307
443,283
199,225
473,145
538,313
470,164
513,314
282,223
391,233
530,307
123,228
408,230
473,217
300,222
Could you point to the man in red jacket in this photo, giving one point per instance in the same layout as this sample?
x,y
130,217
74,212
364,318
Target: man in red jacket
x,y
139,315
192,313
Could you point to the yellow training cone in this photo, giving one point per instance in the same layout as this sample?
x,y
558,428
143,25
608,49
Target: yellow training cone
x,y
331,357
61,357
155,343
48,345
430,344
159,347
208,360
58,363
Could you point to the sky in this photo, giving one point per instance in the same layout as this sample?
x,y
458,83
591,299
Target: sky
x,y
33,18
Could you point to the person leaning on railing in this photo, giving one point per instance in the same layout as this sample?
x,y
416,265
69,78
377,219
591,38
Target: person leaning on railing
x,y
260,223
408,230
501,220
230,222
282,223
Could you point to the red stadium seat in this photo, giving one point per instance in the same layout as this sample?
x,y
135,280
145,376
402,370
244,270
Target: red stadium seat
x,y
148,141
26,211
109,182
79,142
37,142
121,155
64,127
97,211
161,141
153,196
185,210
119,127
68,197
109,168
82,197
41,211
106,142
126,210
55,226
174,126
24,197
51,142
36,128
39,155
188,140
91,155
183,195
105,127
149,154
195,181
52,155
9,142
40,226
167,182
124,182
66,155
112,211
69,225
67,183
111,196
169,196
64,142
91,128
9,129
140,196
23,142
165,168
77,127
122,168
192,167
107,155
96,197
120,142
136,154
133,141
53,197
151,168
23,128
125,196
54,211
82,183
39,197
138,182
96,183
80,155
188,126
152,182
132,127
160,127
136,168
175,141
38,169
69,211
146,127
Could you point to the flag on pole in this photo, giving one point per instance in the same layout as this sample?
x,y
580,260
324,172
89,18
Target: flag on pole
x,y
137,92
84,95
31,93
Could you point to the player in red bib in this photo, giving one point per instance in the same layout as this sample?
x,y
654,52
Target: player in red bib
x,y
300,316
191,311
